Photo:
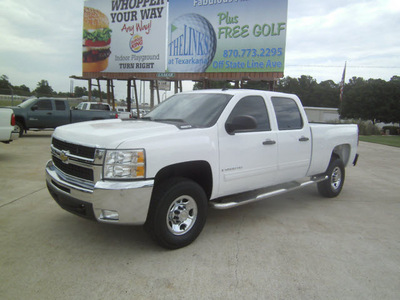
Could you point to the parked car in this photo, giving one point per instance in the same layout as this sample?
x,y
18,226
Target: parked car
x,y
8,131
123,112
44,113
93,106
218,148
142,112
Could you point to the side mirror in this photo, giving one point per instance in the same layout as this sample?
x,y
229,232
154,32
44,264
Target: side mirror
x,y
34,107
241,123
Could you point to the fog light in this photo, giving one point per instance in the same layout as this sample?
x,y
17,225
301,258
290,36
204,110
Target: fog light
x,y
109,215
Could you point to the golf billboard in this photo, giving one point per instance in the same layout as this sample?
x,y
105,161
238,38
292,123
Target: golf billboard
x,y
185,36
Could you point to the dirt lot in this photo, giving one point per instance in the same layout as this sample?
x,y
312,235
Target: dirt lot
x,y
294,246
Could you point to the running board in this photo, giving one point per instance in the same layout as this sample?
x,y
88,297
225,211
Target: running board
x,y
261,194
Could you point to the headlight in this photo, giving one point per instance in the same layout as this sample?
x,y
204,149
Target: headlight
x,y
125,164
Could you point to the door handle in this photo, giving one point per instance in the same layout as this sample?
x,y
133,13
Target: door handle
x,y
304,139
269,142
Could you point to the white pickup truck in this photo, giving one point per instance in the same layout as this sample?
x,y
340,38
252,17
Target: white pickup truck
x,y
218,148
8,131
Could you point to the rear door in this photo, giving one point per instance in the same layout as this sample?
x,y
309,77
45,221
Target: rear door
x,y
61,114
248,159
294,139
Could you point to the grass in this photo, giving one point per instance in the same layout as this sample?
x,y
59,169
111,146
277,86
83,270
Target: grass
x,y
389,140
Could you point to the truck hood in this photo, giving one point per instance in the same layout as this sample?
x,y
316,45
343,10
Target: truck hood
x,y
111,134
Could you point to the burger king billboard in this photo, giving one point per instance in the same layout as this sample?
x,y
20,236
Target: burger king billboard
x,y
124,36
184,36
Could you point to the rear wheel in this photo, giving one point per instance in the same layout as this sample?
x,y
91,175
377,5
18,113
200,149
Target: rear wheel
x,y
333,185
20,128
178,213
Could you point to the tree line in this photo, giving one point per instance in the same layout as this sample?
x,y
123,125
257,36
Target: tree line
x,y
373,100
376,100
43,89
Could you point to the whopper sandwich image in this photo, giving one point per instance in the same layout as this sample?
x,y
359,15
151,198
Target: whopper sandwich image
x,y
96,40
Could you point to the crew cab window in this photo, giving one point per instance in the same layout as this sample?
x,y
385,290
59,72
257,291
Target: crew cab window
x,y
44,105
252,106
99,106
60,105
287,113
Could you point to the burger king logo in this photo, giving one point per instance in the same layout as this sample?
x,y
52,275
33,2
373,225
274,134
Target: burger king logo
x,y
136,43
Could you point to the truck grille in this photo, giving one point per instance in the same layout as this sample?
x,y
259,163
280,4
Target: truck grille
x,y
82,162
78,150
74,170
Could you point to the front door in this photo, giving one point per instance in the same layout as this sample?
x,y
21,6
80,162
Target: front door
x,y
40,114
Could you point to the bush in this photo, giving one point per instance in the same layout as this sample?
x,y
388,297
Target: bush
x,y
393,130
368,128
364,127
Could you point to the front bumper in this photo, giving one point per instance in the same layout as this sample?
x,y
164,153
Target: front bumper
x,y
117,202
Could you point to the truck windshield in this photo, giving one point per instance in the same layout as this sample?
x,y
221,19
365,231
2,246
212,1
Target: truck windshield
x,y
27,102
197,110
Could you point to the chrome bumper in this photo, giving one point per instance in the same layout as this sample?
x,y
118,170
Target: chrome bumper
x,y
117,202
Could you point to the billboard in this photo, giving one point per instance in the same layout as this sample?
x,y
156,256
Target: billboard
x,y
227,35
187,36
124,36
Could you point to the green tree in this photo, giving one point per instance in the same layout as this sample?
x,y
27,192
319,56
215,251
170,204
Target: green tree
x,y
80,91
43,89
5,86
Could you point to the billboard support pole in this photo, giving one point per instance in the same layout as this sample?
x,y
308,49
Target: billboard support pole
x,y
136,98
99,87
158,92
90,89
129,95
151,93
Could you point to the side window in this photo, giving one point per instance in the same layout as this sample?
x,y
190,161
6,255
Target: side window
x,y
252,106
287,113
60,105
44,105
84,106
79,106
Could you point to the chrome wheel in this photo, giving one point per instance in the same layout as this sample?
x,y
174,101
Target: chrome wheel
x,y
181,215
336,178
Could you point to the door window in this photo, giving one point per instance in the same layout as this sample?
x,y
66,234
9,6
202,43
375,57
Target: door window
x,y
287,113
252,106
44,105
60,105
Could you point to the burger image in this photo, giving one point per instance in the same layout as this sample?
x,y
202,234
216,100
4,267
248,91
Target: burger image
x,y
96,40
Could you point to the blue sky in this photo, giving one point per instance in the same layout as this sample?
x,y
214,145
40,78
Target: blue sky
x,y
41,39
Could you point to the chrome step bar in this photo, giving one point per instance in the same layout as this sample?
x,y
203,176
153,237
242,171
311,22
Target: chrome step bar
x,y
262,194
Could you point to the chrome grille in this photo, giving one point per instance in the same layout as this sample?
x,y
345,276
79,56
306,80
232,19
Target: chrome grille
x,y
74,170
78,150
77,162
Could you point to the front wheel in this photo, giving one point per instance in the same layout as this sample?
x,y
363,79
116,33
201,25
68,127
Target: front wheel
x,y
178,213
333,185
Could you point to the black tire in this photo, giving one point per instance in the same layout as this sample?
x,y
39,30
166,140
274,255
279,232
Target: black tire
x,y
177,214
333,185
20,128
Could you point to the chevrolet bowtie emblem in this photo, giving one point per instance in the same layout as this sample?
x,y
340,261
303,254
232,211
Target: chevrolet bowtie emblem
x,y
64,156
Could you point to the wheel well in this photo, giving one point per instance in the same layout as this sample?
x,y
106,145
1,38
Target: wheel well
x,y
21,121
342,152
198,171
